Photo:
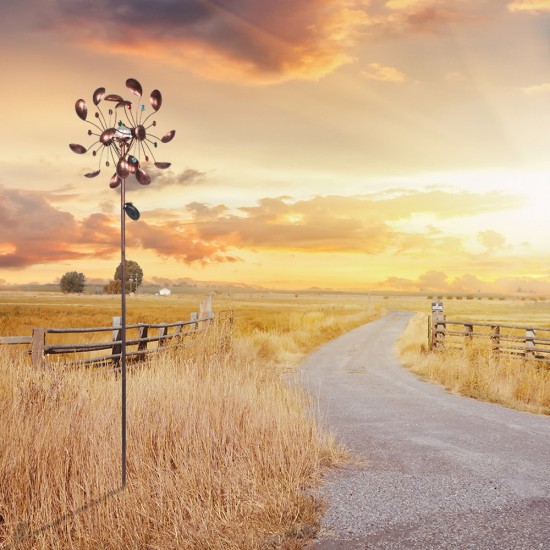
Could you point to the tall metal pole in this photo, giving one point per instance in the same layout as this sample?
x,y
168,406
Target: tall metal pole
x,y
123,319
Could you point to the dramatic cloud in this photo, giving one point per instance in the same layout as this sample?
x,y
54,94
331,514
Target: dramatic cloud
x,y
232,40
244,41
530,6
342,224
375,71
424,16
178,241
34,232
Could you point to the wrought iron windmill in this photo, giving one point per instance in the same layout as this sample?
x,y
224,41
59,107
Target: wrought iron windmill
x,y
123,133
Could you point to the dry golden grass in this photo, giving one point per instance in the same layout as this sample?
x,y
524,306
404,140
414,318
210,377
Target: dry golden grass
x,y
475,372
220,450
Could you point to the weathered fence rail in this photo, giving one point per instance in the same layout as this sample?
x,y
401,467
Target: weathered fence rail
x,y
141,339
529,342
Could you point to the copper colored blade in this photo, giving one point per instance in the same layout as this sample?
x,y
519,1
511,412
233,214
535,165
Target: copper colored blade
x,y
107,136
123,103
92,174
163,165
115,181
133,164
98,95
81,109
78,149
156,99
123,168
113,97
168,136
134,86
142,176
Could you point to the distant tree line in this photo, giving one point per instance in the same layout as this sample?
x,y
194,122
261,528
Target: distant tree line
x,y
74,282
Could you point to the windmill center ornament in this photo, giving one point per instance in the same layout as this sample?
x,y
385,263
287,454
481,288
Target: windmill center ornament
x,y
124,134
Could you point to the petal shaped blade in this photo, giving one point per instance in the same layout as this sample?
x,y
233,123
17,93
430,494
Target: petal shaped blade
x,y
99,94
163,165
122,168
142,176
81,109
133,163
123,103
78,149
113,97
134,86
168,136
107,136
92,174
115,181
156,99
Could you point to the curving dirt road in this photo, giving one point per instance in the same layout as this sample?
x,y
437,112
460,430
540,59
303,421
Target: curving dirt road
x,y
439,470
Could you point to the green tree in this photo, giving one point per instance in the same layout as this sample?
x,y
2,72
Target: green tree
x,y
134,276
72,282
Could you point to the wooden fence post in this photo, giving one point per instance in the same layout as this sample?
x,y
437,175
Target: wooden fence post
x,y
194,319
163,331
38,343
439,330
495,340
143,331
468,330
430,333
529,342
208,306
117,338
202,309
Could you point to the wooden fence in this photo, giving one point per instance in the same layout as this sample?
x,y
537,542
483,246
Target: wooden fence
x,y
141,339
528,342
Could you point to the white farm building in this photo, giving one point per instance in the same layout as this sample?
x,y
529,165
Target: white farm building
x,y
165,292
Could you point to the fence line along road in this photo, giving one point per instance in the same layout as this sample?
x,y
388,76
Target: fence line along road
x,y
139,336
528,342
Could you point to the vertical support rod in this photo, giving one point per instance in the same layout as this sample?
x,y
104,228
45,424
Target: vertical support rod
x,y
123,319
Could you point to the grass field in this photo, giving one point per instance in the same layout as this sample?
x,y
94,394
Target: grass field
x,y
220,449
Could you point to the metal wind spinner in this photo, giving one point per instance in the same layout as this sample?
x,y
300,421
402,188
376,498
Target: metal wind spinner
x,y
127,143
124,134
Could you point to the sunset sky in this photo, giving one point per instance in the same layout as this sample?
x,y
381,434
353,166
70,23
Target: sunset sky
x,y
401,144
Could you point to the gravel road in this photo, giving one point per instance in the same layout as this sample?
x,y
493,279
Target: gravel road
x,y
438,470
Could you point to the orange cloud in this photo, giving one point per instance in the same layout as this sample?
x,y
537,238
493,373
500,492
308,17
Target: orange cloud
x,y
423,16
30,228
375,71
342,224
260,42
33,232
529,6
